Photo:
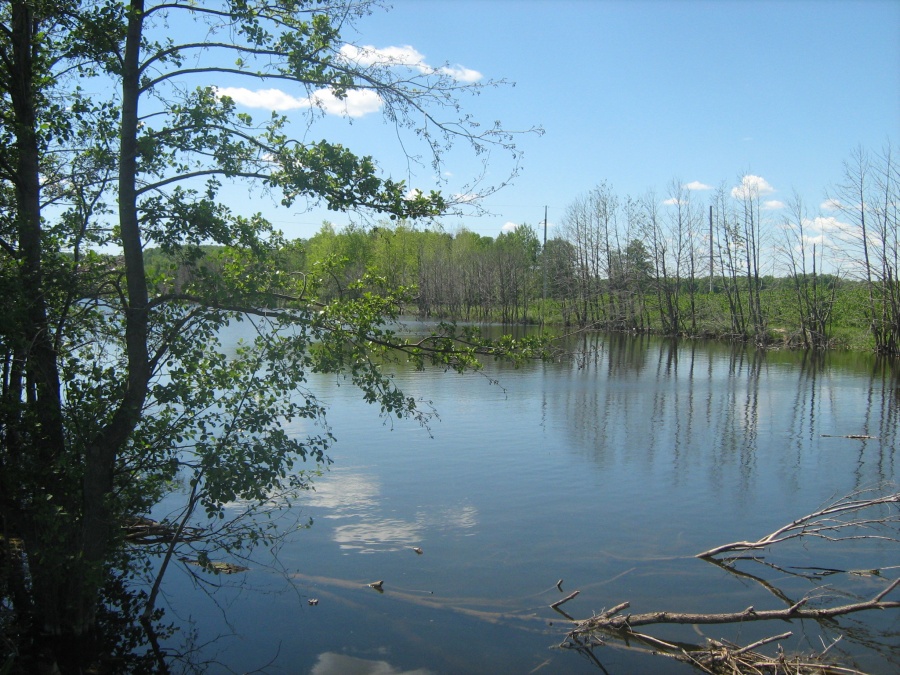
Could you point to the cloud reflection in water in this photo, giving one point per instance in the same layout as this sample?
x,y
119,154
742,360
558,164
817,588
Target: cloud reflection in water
x,y
350,495
331,663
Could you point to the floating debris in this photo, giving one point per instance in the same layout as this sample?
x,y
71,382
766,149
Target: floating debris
x,y
216,567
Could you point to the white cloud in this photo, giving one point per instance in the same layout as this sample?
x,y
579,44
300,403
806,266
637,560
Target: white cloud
x,y
356,103
831,205
671,201
827,224
697,185
393,56
816,241
405,57
751,186
271,99
773,205
509,227
413,193
461,74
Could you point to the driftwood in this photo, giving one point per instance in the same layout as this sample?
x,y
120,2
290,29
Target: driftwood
x,y
214,566
839,521
145,531
571,595
865,514
719,656
612,620
728,658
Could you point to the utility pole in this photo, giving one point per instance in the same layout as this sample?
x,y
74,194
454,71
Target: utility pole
x,y
710,248
544,266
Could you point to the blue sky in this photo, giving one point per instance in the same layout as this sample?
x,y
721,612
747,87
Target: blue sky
x,y
643,93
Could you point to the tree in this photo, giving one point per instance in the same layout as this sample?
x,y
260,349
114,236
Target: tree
x,y
589,224
867,198
114,384
805,257
559,257
515,255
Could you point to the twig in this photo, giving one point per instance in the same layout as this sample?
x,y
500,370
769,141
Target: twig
x,y
571,595
764,641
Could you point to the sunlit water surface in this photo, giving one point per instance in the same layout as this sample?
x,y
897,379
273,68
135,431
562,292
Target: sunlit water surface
x,y
609,471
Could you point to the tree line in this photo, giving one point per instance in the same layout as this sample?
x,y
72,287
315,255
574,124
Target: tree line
x,y
725,267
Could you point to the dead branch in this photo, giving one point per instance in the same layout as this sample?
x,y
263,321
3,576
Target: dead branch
x,y
725,657
834,522
144,531
613,621
565,599
718,657
214,566
865,514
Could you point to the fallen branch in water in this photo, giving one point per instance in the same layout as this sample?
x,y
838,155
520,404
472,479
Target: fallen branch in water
x,y
863,515
728,658
720,657
140,530
612,620
571,595
834,522
215,567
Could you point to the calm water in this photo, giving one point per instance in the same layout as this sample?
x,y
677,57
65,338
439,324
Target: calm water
x,y
609,471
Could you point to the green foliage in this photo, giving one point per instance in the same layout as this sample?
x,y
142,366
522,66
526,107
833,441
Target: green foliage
x,y
117,393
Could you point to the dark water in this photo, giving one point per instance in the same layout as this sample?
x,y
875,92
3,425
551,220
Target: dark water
x,y
610,471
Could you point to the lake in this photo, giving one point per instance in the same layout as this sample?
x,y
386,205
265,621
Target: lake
x,y
609,470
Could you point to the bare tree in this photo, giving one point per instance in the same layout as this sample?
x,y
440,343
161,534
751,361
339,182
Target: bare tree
x,y
867,199
814,295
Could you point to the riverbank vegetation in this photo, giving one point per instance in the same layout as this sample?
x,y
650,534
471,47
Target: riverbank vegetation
x,y
731,267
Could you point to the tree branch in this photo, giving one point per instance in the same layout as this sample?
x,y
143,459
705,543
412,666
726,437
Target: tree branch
x,y
828,519
613,621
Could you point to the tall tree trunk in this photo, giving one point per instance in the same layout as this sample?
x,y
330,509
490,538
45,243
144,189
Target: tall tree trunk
x,y
102,453
36,378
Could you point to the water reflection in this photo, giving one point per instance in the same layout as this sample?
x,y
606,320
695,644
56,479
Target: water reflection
x,y
342,493
609,470
351,495
370,536
330,663
728,407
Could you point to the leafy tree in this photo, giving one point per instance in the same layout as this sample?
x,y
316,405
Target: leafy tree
x,y
559,258
116,390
